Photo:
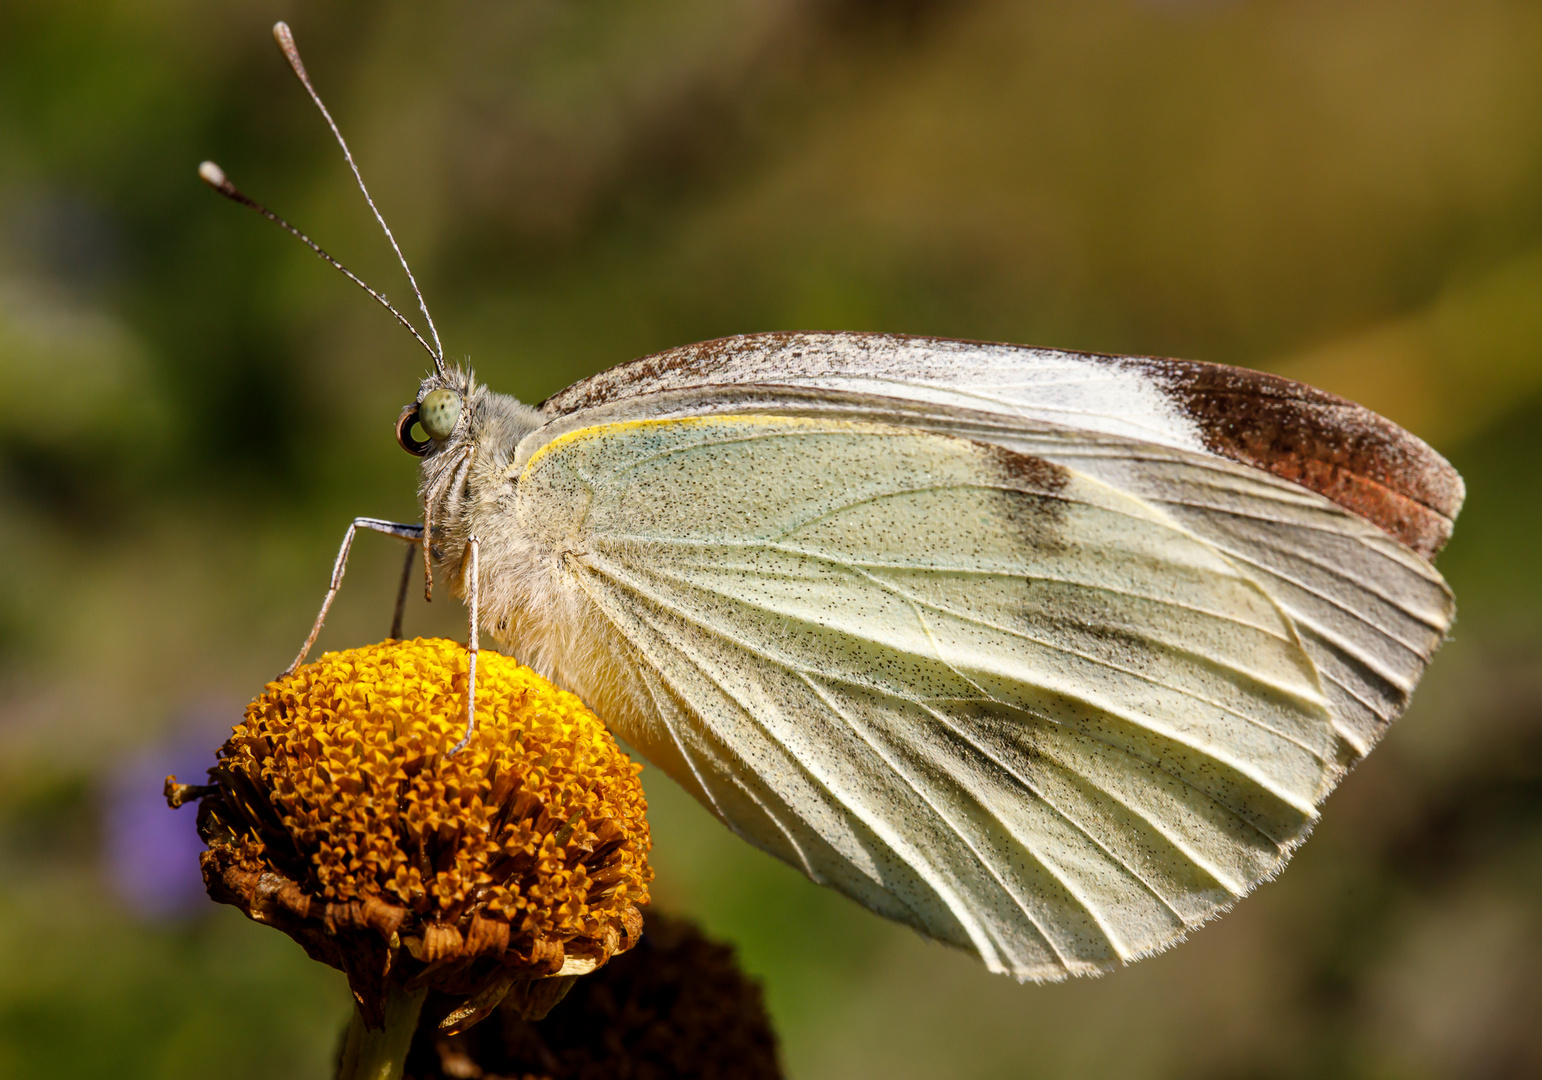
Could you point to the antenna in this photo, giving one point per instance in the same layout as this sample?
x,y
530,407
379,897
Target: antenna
x,y
214,176
285,39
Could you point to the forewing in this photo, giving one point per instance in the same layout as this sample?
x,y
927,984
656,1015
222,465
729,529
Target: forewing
x,y
1334,447
1257,466
1015,699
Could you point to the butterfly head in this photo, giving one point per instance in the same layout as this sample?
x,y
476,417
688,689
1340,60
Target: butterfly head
x,y
442,427
439,413
466,435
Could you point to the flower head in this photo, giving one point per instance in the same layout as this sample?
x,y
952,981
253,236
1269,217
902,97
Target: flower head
x,y
336,814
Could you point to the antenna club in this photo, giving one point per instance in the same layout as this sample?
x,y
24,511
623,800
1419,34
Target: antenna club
x,y
285,38
214,176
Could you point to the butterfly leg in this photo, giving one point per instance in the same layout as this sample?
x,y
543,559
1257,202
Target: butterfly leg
x,y
401,593
471,642
391,528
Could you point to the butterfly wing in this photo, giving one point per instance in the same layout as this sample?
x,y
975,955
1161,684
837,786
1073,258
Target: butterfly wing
x,y
1192,423
1332,446
1053,694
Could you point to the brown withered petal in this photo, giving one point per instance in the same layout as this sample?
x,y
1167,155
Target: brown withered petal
x,y
676,1006
336,815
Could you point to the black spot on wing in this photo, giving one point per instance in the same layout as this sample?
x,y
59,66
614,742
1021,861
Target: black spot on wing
x,y
1023,472
1032,500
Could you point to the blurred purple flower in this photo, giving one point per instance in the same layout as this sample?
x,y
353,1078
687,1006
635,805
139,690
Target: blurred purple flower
x,y
151,852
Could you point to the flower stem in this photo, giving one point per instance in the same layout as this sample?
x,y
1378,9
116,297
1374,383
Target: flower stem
x,y
380,1054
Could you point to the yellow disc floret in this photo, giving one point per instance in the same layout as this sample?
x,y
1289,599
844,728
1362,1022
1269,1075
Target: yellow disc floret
x,y
339,811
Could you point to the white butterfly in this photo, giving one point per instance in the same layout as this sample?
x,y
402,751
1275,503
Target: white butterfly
x,y
1049,655
1036,651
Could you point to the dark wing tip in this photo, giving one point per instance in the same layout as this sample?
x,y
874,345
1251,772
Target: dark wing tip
x,y
1343,451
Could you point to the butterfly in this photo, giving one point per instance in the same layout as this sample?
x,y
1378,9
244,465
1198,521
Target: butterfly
x,y
1050,655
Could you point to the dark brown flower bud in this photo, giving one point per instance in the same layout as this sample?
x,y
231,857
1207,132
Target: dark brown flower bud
x,y
676,1006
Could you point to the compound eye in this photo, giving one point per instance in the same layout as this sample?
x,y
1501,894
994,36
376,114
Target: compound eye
x,y
438,411
404,438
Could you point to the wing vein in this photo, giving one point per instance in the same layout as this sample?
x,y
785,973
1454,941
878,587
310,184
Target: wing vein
x,y
1034,790
1148,723
880,830
980,571
663,713
1308,811
1079,654
947,819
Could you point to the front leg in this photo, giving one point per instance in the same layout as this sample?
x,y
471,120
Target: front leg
x,y
391,528
471,582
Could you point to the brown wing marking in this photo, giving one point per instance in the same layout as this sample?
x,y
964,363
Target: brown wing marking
x,y
1341,450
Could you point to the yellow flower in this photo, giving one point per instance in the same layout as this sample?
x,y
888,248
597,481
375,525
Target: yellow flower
x,y
336,814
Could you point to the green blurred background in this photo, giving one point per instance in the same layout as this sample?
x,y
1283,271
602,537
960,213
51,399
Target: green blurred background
x,y
1348,192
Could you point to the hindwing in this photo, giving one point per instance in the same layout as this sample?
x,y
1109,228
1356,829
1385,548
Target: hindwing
x,y
1051,694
